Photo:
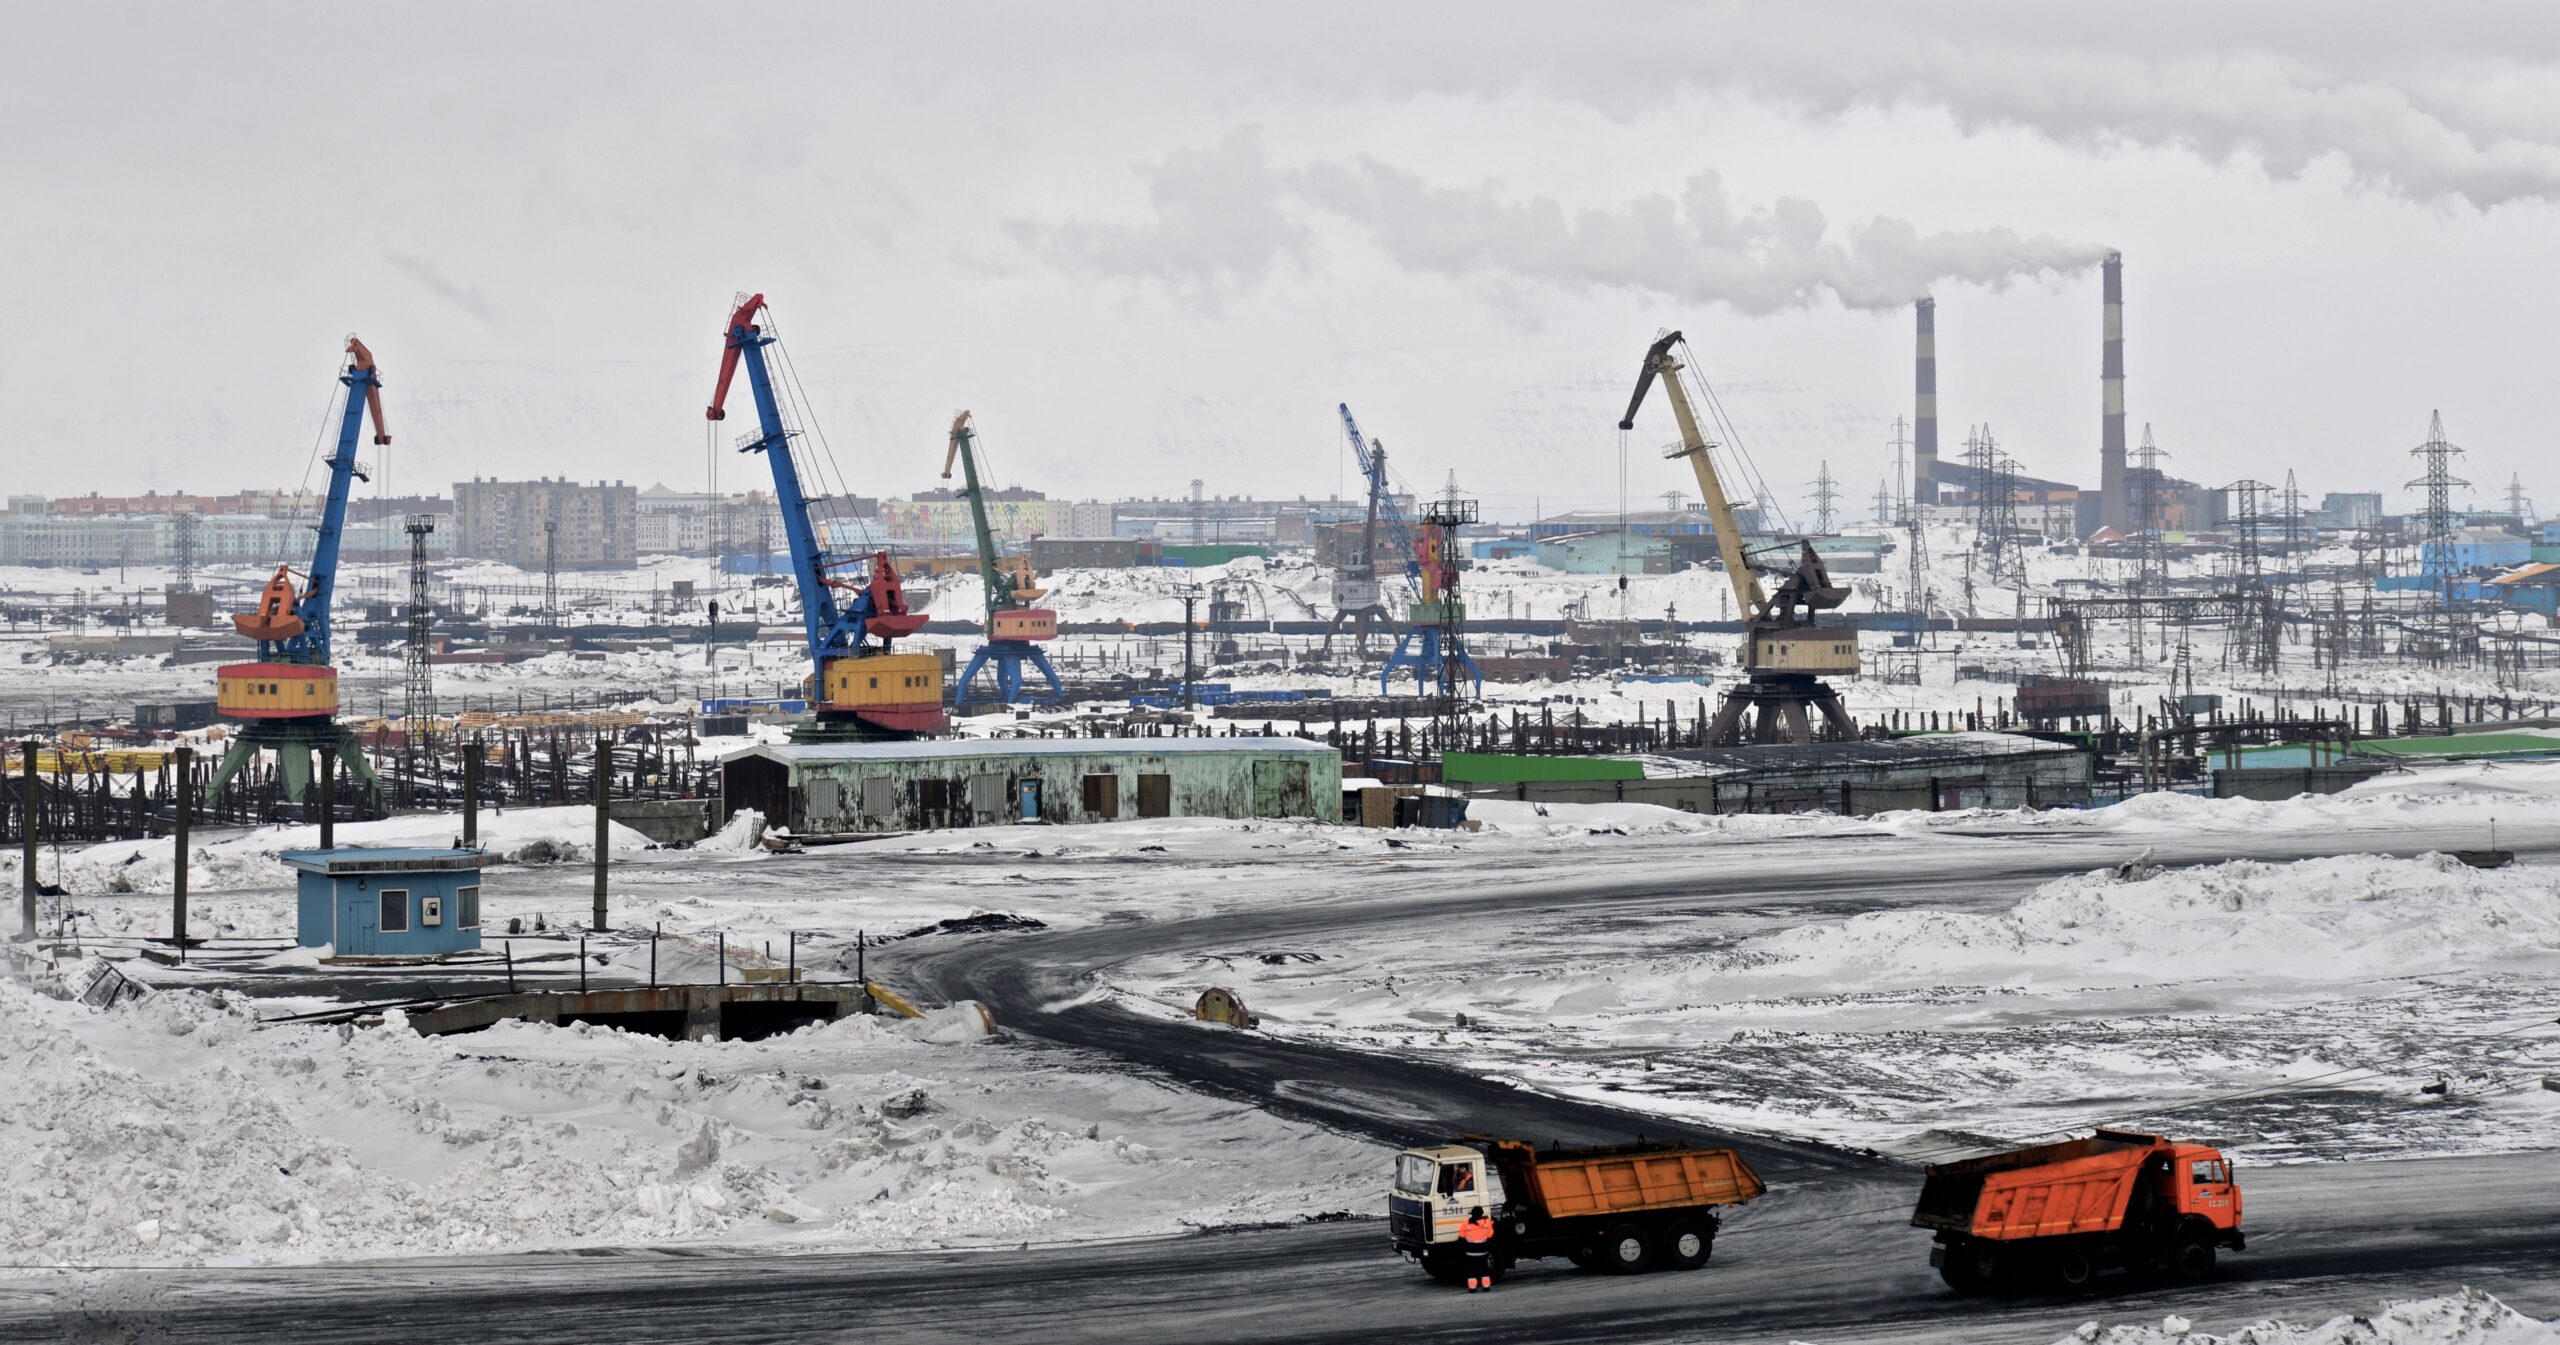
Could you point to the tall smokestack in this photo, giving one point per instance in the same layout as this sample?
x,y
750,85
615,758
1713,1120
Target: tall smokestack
x,y
2112,501
1924,407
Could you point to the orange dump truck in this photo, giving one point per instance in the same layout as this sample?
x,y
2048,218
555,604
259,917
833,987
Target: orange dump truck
x,y
2118,1200
1621,1208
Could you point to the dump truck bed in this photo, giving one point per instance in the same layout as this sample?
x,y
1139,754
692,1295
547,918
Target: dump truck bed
x,y
1620,1179
2078,1186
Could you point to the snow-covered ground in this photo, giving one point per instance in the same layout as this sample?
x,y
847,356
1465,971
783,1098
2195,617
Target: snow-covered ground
x,y
2195,998
170,1129
2466,1318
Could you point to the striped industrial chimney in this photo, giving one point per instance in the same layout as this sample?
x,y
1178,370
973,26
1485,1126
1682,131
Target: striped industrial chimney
x,y
2112,501
1924,407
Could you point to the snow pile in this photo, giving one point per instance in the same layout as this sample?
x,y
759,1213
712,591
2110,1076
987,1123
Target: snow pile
x,y
2333,919
745,832
172,1130
2467,1318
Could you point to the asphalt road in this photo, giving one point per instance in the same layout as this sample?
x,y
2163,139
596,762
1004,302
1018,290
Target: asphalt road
x,y
1827,1256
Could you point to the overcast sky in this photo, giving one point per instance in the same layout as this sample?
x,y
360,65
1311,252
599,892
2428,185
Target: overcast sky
x,y
1148,243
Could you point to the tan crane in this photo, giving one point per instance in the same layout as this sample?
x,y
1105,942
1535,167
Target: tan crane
x,y
1784,654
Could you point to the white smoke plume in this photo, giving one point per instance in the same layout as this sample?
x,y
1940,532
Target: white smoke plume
x,y
1225,217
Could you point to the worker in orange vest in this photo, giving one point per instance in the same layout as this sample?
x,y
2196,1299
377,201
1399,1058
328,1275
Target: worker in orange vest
x,y
1477,1234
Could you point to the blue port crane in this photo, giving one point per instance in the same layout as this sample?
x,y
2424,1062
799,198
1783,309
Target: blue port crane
x,y
287,697
858,687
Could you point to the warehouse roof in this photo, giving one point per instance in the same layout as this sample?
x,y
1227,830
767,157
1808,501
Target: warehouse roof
x,y
945,749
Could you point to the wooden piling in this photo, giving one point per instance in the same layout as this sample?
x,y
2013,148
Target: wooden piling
x,y
182,816
604,825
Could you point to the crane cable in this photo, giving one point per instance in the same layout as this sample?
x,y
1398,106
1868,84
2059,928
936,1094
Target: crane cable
x,y
830,473
1761,497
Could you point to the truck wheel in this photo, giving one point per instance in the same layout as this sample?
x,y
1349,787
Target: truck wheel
x,y
2076,1270
1686,1244
2193,1260
1624,1250
1584,1258
1445,1266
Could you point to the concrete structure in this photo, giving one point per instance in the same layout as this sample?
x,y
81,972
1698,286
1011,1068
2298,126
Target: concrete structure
x,y
681,1012
2112,500
2343,511
1051,554
941,518
1924,406
839,789
387,902
597,527
36,531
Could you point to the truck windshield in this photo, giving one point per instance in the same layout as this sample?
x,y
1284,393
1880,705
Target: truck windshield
x,y
1414,1173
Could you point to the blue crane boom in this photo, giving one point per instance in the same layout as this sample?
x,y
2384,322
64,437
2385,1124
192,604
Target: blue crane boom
x,y
295,629
1382,503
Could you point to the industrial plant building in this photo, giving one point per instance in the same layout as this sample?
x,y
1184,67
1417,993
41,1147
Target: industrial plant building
x,y
819,790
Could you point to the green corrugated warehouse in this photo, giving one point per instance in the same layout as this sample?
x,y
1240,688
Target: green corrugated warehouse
x,y
843,789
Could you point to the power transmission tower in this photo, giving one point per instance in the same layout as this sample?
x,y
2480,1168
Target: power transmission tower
x,y
2290,502
419,704
2435,520
1901,473
183,543
2518,503
2150,547
1884,501
1826,498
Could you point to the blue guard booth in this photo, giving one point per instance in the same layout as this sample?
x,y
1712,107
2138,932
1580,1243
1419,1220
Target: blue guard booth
x,y
388,902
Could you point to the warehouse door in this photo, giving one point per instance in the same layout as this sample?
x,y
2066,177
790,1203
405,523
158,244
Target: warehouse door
x,y
986,797
1102,796
825,799
1155,796
879,799
1279,788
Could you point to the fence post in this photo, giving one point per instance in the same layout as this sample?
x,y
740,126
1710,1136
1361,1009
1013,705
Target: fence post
x,y
27,841
604,826
178,880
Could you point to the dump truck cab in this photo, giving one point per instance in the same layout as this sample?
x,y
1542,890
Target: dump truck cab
x,y
2203,1187
1434,1190
1620,1208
